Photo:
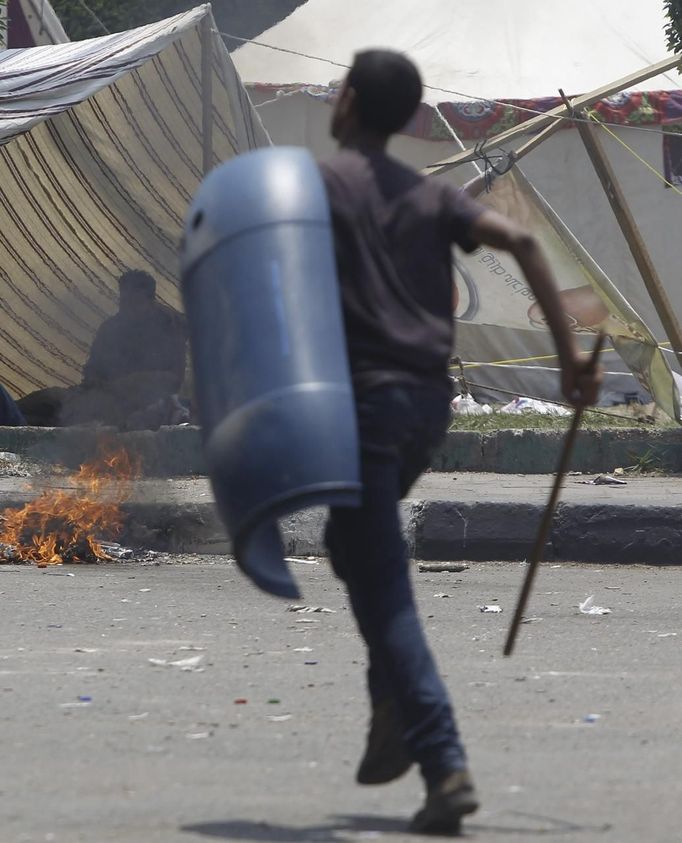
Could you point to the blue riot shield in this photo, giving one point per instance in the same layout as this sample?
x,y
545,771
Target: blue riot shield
x,y
266,332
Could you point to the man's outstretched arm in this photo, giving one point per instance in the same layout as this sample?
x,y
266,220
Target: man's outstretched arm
x,y
580,382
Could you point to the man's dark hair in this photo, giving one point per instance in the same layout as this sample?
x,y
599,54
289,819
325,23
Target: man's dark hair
x,y
139,279
388,89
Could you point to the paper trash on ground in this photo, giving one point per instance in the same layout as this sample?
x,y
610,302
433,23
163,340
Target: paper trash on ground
x,y
532,405
587,607
191,663
465,405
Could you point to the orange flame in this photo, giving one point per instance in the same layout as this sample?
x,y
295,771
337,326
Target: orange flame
x,y
68,526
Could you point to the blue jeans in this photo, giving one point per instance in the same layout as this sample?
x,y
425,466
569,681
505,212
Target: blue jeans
x,y
400,425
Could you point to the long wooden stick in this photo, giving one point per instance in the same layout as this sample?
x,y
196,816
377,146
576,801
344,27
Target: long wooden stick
x,y
633,236
545,524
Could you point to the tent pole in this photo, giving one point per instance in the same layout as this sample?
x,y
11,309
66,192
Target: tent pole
x,y
206,36
555,115
632,234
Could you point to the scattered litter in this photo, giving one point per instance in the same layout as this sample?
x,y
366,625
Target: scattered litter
x,y
618,472
47,573
441,594
613,587
666,635
190,648
531,620
115,551
532,405
587,607
189,664
303,649
145,590
299,561
278,718
609,480
491,609
84,698
74,705
86,650
306,620
310,662
274,701
240,701
442,567
310,609
198,736
604,480
142,716
466,405
591,718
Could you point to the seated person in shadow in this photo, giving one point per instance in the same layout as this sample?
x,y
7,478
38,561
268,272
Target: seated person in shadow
x,y
134,372
10,414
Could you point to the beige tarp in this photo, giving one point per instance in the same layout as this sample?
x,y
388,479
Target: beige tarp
x,y
494,294
102,153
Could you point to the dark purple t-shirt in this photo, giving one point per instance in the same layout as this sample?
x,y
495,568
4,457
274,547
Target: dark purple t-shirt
x,y
393,231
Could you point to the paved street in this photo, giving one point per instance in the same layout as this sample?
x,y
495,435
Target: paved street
x,y
99,744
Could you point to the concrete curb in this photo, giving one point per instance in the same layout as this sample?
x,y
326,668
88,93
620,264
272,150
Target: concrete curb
x,y
447,530
449,516
444,530
177,451
537,451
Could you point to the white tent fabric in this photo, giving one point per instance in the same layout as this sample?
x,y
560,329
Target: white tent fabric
x,y
102,152
522,49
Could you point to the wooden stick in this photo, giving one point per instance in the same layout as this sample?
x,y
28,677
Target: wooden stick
x,y
545,524
632,234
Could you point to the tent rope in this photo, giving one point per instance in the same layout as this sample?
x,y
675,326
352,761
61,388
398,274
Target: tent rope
x,y
472,97
490,168
468,365
658,175
87,8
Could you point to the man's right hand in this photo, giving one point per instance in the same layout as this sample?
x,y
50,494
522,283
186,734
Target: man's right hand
x,y
581,380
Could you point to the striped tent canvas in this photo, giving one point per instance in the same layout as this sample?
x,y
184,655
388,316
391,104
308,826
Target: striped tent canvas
x,y
101,149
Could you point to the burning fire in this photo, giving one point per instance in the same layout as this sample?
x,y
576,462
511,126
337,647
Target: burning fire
x,y
68,525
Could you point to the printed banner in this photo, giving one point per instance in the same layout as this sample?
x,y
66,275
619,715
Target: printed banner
x,y
492,291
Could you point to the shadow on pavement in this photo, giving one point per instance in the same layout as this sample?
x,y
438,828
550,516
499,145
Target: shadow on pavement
x,y
529,825
542,826
332,832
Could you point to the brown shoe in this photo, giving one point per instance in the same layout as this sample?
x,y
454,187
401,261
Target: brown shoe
x,y
446,804
385,757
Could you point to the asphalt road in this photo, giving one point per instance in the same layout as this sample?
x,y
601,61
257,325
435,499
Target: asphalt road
x,y
575,738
